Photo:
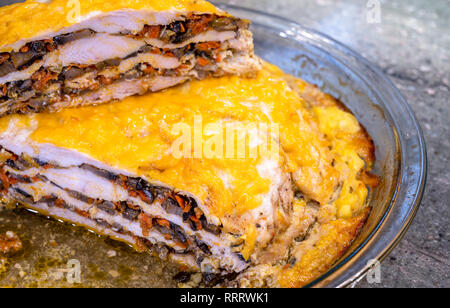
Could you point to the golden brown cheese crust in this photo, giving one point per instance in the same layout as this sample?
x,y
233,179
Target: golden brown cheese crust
x,y
24,21
335,238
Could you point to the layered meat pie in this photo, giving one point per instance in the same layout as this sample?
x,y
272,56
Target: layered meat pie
x,y
56,54
252,181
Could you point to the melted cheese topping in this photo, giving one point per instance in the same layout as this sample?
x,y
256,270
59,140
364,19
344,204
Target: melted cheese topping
x,y
34,18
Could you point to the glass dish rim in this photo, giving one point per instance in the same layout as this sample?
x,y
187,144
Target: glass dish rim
x,y
413,207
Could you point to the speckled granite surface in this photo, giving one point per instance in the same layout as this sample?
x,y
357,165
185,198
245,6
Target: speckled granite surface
x,y
412,45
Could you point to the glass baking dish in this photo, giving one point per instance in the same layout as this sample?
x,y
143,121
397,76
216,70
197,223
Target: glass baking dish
x,y
401,163
379,106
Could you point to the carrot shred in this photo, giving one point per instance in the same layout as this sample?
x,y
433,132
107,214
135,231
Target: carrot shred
x,y
82,213
180,201
163,222
199,23
187,208
207,46
105,80
5,180
181,245
3,90
59,203
156,51
143,196
153,31
50,47
118,207
203,61
146,224
199,225
13,181
197,222
42,77
169,54
140,244
183,268
123,182
149,69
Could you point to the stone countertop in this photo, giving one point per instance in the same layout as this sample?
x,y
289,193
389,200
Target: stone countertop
x,y
410,42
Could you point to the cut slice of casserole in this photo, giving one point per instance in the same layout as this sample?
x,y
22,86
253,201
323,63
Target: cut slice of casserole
x,y
59,53
228,176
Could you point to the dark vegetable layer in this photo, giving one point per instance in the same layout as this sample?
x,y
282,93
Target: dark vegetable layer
x,y
171,202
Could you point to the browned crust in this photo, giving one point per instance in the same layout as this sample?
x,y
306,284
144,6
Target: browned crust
x,y
336,237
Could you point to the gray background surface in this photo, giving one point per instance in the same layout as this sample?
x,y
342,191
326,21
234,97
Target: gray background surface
x,y
411,44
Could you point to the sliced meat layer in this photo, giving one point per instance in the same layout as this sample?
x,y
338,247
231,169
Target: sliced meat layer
x,y
89,66
128,206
